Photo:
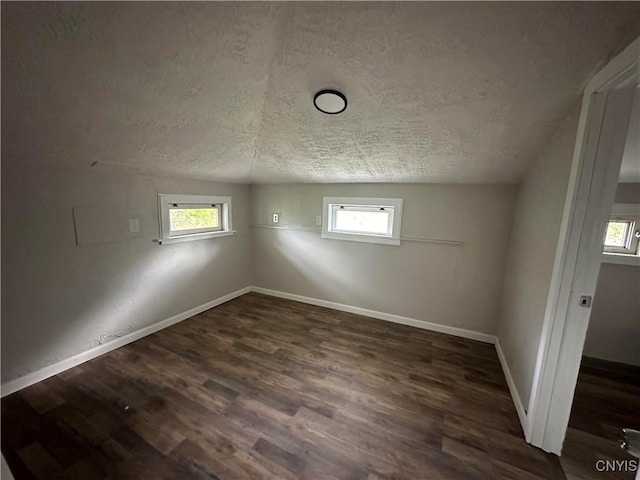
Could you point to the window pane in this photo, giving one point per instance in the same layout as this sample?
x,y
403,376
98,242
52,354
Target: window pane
x,y
193,218
616,234
364,222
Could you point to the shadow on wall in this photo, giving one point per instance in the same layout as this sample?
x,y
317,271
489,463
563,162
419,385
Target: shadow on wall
x,y
121,297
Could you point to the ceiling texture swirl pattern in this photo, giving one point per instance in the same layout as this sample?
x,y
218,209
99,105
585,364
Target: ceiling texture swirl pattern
x,y
438,92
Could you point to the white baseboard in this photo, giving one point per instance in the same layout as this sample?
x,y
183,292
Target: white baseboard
x,y
517,401
59,367
435,327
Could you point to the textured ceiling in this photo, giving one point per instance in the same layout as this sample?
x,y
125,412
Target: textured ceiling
x,y
438,92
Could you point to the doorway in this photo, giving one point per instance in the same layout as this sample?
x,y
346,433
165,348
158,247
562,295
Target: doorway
x,y
600,142
607,396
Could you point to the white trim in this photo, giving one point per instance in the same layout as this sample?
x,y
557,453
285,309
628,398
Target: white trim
x,y
59,367
195,236
226,220
361,237
620,66
389,317
588,202
515,396
417,239
455,243
621,259
412,322
328,221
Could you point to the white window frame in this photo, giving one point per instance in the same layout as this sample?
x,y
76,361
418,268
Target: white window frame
x,y
630,253
168,201
331,204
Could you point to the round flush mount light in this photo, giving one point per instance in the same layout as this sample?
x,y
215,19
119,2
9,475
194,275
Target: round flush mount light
x,y
330,102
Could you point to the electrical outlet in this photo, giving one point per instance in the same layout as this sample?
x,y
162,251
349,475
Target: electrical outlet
x,y
276,217
134,225
318,220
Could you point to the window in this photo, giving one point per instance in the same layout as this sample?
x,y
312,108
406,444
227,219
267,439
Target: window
x,y
373,220
193,217
622,234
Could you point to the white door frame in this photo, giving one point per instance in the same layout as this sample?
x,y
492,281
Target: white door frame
x,y
606,109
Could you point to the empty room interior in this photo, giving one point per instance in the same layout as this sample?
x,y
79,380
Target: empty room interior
x,y
320,240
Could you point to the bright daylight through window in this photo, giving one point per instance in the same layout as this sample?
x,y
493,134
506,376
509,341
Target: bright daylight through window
x,y
617,234
193,217
373,220
363,220
622,235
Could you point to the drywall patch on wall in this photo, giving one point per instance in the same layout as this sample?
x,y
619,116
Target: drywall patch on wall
x,y
99,225
77,297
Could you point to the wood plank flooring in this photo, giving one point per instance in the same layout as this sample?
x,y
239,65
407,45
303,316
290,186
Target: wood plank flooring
x,y
604,403
262,387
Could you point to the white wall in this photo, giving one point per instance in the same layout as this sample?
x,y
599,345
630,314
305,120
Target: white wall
x,y
628,193
614,326
456,286
59,299
532,249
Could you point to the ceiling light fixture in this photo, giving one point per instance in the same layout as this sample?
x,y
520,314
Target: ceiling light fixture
x,y
330,102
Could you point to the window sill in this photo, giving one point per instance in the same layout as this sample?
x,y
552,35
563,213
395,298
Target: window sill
x,y
620,259
354,237
195,236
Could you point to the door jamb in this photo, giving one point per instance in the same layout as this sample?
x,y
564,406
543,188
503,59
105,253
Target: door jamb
x,y
551,400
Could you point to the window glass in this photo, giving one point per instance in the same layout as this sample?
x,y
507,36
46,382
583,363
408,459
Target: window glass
x,y
359,219
351,220
182,219
617,234
193,217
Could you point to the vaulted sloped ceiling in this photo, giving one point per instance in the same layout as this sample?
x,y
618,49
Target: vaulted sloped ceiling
x,y
438,92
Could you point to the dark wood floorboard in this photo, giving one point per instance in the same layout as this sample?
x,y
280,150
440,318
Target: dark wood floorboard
x,y
262,387
606,401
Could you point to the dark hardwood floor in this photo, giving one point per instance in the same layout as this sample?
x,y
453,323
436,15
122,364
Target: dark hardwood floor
x,y
267,388
606,401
